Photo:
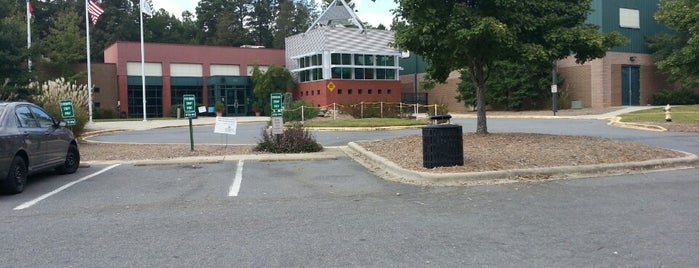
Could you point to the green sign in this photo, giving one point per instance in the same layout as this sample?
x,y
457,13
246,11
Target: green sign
x,y
276,114
276,101
67,109
189,105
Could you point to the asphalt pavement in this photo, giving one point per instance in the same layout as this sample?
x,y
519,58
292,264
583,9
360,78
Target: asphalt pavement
x,y
391,171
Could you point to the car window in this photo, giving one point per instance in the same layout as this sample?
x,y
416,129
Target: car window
x,y
44,119
2,109
25,119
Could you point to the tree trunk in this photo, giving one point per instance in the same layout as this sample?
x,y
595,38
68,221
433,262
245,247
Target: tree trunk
x,y
478,78
481,125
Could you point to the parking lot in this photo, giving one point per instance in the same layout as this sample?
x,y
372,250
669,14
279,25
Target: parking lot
x,y
336,213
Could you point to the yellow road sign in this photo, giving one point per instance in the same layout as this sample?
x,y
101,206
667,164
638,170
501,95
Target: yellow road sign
x,y
331,86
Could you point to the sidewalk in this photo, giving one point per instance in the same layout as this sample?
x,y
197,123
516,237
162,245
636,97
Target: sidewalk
x,y
129,125
124,125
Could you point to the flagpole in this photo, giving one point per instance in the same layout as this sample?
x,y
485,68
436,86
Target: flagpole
x,y
89,67
143,63
29,35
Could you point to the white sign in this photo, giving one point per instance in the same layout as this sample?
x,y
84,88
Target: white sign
x,y
225,125
277,125
554,88
202,109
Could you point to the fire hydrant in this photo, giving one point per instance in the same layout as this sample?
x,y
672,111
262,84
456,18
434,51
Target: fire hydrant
x,y
668,113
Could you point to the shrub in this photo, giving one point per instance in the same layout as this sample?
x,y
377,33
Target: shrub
x,y
442,109
295,139
52,92
675,97
294,112
373,110
103,113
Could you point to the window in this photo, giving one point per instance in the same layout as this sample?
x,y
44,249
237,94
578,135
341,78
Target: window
x,y
318,92
369,60
368,73
388,91
390,74
359,73
346,59
381,74
96,90
629,18
349,91
25,117
379,92
339,91
341,73
154,99
382,60
336,59
45,120
359,91
313,93
358,59
97,104
368,91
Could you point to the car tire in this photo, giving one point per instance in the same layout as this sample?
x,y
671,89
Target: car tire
x,y
72,162
16,177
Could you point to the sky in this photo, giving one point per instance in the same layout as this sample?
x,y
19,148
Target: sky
x,y
374,13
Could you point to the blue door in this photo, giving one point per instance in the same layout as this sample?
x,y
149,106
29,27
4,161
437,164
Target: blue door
x,y
630,85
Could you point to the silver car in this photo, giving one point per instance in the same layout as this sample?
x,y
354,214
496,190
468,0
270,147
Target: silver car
x,y
31,141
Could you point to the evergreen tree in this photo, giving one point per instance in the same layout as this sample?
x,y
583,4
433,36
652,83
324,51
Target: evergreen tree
x,y
262,22
64,45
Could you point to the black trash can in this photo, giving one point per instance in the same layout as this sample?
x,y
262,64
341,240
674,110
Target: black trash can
x,y
442,146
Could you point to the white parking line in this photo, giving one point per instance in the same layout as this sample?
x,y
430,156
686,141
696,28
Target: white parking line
x,y
38,199
235,187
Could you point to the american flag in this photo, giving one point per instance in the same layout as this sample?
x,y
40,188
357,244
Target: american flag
x,y
95,11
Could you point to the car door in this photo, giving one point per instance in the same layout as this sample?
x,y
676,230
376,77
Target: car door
x,y
53,147
32,136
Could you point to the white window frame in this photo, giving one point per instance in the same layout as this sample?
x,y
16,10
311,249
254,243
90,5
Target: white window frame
x,y
629,18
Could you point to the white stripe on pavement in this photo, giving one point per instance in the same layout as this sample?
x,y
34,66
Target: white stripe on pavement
x,y
235,187
40,198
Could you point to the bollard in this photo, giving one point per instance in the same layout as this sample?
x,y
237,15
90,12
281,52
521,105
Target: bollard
x,y
668,113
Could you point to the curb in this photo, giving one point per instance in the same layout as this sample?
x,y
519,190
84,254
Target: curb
x,y
616,121
328,153
390,171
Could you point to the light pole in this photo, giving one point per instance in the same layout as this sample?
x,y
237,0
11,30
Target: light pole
x,y
554,88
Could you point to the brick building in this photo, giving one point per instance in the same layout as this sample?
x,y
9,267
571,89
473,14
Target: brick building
x,y
626,76
210,73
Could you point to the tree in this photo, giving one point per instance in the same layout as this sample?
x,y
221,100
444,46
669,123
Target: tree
x,y
163,27
678,53
64,46
275,80
13,45
473,35
262,22
293,17
224,22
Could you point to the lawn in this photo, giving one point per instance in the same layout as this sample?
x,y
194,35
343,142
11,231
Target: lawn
x,y
680,114
366,122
